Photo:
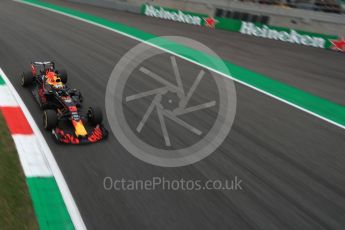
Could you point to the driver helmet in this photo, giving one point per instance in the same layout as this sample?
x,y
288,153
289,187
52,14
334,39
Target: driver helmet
x,y
54,80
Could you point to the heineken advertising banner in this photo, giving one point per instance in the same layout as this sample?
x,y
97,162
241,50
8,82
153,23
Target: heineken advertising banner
x,y
287,35
173,15
248,28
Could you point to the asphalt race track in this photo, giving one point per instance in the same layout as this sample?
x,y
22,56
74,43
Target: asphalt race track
x,y
291,163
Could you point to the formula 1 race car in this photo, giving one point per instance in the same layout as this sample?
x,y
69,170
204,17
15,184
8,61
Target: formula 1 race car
x,y
62,106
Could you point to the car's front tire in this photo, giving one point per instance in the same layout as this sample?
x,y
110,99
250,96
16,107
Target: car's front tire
x,y
50,119
94,115
27,79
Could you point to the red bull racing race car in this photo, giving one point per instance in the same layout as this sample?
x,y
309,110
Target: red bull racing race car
x,y
62,106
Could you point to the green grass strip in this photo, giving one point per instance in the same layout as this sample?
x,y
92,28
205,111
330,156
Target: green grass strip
x,y
318,106
16,210
49,206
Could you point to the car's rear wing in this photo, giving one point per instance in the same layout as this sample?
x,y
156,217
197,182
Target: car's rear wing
x,y
43,63
41,66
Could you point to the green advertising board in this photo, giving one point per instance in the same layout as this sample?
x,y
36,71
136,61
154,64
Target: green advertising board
x,y
248,28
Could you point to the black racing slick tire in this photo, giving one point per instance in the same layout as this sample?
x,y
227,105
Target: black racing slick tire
x,y
27,79
63,76
94,115
50,119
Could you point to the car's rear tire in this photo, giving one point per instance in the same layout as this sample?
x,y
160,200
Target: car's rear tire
x,y
27,79
94,115
63,76
50,119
